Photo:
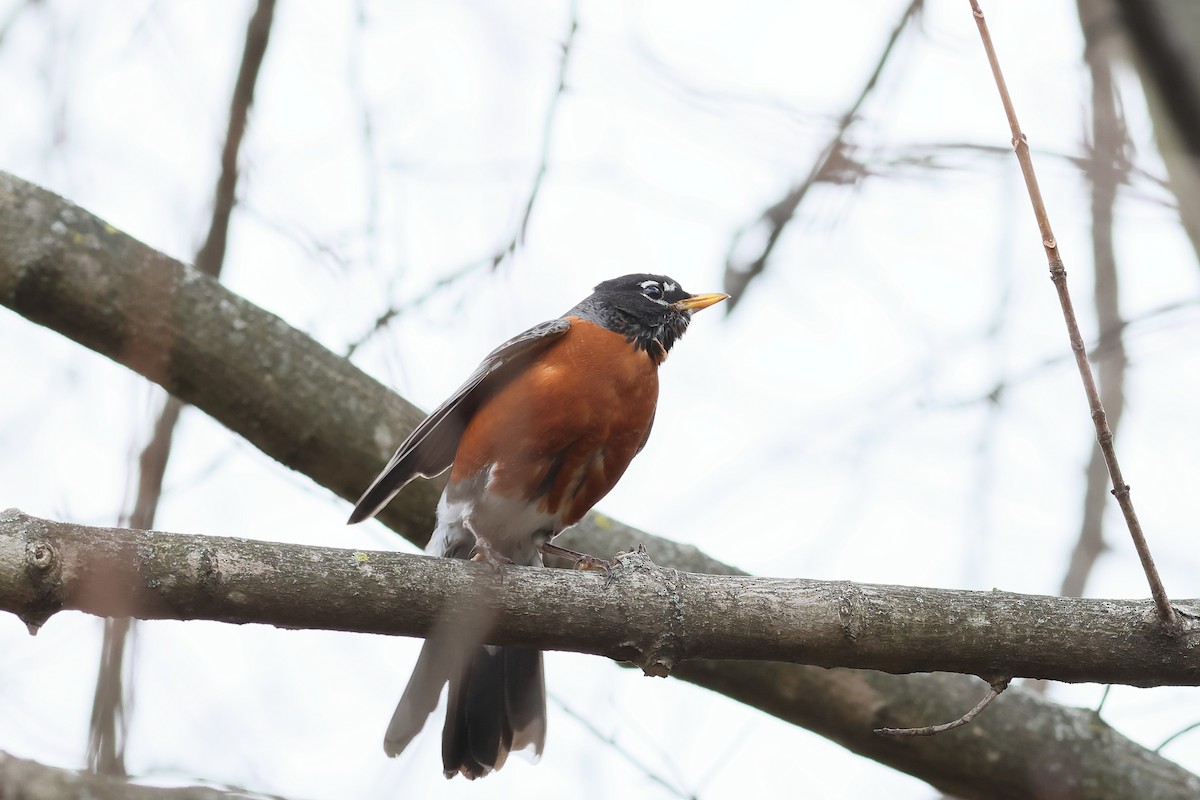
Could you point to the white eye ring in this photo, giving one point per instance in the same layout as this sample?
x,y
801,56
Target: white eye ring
x,y
652,291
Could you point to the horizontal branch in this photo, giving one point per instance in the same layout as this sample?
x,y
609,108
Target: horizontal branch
x,y
649,615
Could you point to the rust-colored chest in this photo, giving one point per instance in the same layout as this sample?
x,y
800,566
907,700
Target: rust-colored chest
x,y
563,430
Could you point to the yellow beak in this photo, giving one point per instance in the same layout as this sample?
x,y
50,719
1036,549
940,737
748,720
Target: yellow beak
x,y
699,301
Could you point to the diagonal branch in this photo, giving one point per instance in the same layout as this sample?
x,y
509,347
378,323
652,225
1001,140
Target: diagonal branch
x,y
517,239
831,161
315,412
1058,274
995,689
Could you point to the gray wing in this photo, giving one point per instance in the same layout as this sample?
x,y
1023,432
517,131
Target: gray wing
x,y
430,448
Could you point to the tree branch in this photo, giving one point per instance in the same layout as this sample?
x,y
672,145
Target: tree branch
x,y
1058,275
315,412
649,615
833,159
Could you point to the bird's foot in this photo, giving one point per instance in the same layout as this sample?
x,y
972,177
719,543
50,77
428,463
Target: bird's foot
x,y
582,560
486,554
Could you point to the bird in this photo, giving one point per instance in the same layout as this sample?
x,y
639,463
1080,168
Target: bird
x,y
537,435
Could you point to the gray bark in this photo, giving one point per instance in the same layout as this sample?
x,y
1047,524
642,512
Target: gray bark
x,y
649,615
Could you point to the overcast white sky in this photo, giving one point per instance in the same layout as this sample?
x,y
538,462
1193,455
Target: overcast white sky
x,y
832,427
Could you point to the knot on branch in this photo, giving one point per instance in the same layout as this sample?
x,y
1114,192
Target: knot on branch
x,y
43,568
851,610
1058,273
664,650
208,571
41,556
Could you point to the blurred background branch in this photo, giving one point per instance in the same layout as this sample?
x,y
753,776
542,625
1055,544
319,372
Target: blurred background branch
x,y
838,163
106,740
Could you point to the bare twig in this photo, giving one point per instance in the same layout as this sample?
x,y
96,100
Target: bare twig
x,y
108,725
1096,351
547,133
739,274
1103,699
369,148
1176,735
1058,274
998,685
496,258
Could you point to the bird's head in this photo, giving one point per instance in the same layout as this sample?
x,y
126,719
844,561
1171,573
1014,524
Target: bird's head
x,y
651,311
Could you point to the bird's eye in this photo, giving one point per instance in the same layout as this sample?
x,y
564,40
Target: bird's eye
x,y
652,291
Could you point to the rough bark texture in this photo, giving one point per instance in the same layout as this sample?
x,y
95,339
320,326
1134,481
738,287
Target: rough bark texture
x,y
652,616
315,412
292,398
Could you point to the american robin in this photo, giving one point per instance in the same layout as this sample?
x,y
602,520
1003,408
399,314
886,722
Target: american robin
x,y
542,430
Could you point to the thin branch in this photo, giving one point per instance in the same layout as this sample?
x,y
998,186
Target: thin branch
x,y
1058,274
211,255
1103,698
1096,350
997,685
831,160
509,248
547,131
1176,735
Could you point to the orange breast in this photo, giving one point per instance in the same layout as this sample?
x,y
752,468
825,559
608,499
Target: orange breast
x,y
565,428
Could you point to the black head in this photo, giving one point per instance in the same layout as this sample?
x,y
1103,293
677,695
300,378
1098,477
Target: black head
x,y
652,311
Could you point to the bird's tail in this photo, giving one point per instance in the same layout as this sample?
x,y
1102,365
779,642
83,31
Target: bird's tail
x,y
420,697
497,705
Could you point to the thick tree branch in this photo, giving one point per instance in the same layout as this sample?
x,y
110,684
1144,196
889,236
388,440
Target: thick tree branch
x,y
1023,748
649,615
315,412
